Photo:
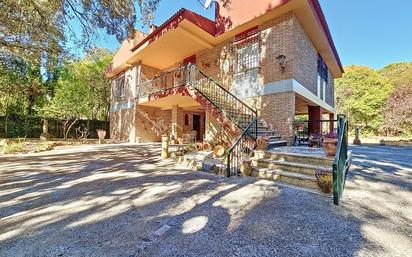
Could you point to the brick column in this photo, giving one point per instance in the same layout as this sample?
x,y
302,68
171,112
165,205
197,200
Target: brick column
x,y
315,114
331,123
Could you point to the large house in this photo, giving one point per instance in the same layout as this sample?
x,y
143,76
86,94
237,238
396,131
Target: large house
x,y
256,66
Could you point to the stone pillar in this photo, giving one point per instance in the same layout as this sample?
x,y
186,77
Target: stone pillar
x,y
175,110
331,123
315,114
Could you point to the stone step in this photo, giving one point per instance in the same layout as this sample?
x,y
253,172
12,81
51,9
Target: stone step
x,y
288,166
295,158
291,178
276,143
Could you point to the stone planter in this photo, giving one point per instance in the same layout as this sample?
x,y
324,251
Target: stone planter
x,y
165,147
101,133
329,145
246,168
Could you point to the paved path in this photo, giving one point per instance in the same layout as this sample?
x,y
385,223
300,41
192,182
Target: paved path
x,y
122,200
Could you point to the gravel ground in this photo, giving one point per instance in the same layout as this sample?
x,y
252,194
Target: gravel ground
x,y
122,200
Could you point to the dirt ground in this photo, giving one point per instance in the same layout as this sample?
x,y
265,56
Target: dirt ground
x,y
123,200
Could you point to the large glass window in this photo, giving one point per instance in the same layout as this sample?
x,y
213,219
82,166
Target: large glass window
x,y
322,78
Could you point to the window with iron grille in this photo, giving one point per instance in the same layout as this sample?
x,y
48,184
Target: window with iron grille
x,y
247,50
118,87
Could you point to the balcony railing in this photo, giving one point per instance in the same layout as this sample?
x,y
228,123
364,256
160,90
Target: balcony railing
x,y
163,81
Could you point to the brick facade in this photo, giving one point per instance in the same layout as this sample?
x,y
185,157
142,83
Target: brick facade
x,y
283,35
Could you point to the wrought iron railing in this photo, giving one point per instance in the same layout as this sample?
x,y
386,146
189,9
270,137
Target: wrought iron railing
x,y
164,81
234,109
341,162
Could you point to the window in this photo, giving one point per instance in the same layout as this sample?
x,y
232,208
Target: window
x,y
247,50
118,87
322,78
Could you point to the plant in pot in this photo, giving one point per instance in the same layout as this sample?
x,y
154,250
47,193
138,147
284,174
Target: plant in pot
x,y
330,142
246,167
324,179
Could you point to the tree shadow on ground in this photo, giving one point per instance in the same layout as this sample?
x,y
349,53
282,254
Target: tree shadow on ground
x,y
116,200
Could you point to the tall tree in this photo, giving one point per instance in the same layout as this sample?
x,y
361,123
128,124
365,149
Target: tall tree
x,y
361,94
34,29
398,109
82,92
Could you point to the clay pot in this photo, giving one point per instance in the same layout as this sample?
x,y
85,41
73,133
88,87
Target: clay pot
x,y
329,145
262,143
219,151
101,133
180,141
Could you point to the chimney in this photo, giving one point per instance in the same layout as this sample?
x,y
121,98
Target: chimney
x,y
152,28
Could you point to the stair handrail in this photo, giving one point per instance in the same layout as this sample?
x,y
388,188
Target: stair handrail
x,y
341,161
242,146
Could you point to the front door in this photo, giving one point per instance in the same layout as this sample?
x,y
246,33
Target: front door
x,y
196,125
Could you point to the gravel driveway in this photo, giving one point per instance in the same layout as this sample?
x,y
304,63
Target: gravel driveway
x,y
122,200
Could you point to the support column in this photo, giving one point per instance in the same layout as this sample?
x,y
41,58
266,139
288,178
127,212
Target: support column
x,y
175,109
331,123
315,114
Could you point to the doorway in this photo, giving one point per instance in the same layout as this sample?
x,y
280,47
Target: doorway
x,y
196,125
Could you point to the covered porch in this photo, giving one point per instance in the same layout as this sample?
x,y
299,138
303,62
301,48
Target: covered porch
x,y
314,121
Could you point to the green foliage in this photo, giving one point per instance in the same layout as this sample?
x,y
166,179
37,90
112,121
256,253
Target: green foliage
x,y
398,109
14,146
361,95
82,90
32,29
378,101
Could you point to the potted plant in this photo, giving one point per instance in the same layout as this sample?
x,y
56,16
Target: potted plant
x,y
324,180
246,167
330,142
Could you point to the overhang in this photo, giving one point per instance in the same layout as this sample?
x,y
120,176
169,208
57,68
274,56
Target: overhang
x,y
173,46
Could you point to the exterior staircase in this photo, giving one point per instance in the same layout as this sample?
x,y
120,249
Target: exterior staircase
x,y
288,168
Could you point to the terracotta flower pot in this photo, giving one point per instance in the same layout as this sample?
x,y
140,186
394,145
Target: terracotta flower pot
x,y
329,145
262,143
180,140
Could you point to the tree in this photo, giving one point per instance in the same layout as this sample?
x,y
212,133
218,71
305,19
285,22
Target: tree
x,y
34,30
398,109
361,95
81,91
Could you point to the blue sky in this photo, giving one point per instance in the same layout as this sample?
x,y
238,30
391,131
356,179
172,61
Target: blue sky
x,y
366,32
